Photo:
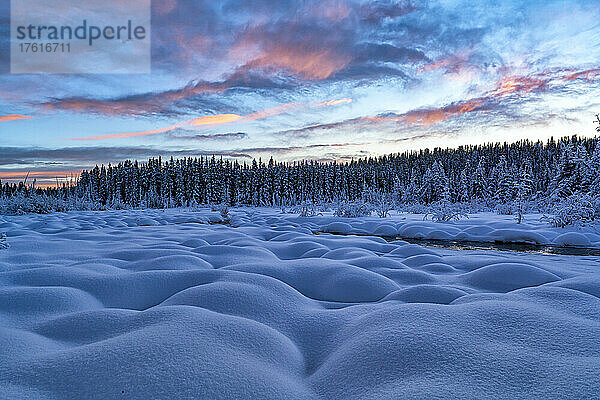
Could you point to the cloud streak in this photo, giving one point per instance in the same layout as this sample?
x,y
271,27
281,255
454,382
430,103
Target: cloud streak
x,y
43,174
38,157
14,117
215,120
143,104
290,149
206,121
211,137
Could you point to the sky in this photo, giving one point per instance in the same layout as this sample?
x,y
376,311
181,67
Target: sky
x,y
324,80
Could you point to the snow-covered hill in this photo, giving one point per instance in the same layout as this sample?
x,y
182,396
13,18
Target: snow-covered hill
x,y
175,304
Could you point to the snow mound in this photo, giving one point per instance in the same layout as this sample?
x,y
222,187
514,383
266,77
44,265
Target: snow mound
x,y
574,239
338,227
427,294
505,277
174,304
385,230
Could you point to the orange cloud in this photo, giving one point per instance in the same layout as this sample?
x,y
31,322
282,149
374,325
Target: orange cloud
x,y
13,117
270,112
453,63
37,174
334,102
307,55
206,120
214,119
438,64
434,116
309,64
44,179
426,116
587,75
129,134
211,120
518,84
420,117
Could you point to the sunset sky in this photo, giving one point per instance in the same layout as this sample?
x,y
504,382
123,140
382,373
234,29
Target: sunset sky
x,y
323,80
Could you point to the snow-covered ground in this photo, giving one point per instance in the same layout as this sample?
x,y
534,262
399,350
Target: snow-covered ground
x,y
174,304
481,227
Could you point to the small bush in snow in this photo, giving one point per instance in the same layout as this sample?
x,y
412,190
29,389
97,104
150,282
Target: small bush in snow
x,y
43,204
414,208
3,242
519,209
504,209
382,202
306,209
353,209
118,205
444,211
575,210
224,211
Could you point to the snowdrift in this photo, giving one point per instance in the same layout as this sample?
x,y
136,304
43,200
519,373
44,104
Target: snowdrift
x,y
168,304
481,227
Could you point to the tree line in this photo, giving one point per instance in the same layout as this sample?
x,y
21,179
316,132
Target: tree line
x,y
496,173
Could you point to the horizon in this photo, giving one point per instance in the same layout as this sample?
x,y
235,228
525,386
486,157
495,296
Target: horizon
x,y
72,179
323,80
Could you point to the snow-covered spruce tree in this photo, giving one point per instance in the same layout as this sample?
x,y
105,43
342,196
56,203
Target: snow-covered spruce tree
x,y
398,192
572,171
593,171
412,190
464,186
524,189
505,180
435,184
575,210
480,186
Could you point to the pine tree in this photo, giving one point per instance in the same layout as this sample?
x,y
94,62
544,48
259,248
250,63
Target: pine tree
x,y
479,183
524,189
593,171
571,171
506,180
464,186
435,184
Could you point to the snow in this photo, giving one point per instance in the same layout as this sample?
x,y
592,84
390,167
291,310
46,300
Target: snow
x,y
176,304
574,239
480,227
